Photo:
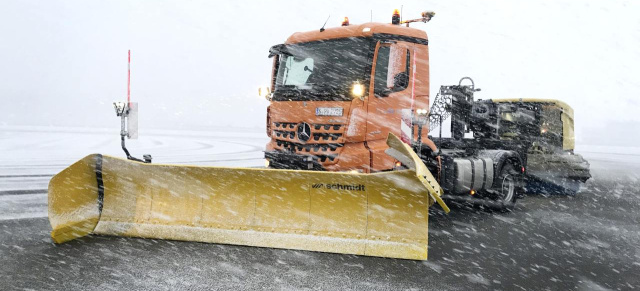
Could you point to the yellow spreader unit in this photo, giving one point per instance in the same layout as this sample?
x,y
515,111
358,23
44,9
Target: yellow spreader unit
x,y
381,214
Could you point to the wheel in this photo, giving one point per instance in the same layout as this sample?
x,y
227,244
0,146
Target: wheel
x,y
505,190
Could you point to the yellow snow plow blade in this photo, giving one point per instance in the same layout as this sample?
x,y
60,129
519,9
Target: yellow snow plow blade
x,y
382,214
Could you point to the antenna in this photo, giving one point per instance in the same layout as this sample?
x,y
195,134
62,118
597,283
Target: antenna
x,y
325,23
400,13
371,16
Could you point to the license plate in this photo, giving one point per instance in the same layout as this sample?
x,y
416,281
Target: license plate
x,y
329,111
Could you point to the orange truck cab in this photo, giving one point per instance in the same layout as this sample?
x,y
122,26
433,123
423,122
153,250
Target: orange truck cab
x,y
338,92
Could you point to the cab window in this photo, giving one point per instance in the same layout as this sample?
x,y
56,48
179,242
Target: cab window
x,y
391,70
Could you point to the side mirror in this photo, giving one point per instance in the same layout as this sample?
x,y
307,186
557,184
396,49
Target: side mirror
x,y
400,81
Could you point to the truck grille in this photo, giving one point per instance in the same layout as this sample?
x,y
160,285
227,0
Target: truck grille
x,y
325,140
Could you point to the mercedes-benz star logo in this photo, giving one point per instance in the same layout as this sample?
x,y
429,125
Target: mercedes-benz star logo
x,y
304,132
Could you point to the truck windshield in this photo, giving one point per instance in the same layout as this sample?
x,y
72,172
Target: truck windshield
x,y
321,70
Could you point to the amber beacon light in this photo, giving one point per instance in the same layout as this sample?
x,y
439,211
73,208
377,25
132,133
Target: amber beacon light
x,y
345,21
395,18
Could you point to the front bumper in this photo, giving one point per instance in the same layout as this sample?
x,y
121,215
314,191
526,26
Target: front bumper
x,y
291,161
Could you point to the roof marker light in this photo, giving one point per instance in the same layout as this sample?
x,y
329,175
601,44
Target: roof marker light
x,y
345,22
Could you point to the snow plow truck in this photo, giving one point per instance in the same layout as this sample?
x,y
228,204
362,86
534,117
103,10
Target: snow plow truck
x,y
351,166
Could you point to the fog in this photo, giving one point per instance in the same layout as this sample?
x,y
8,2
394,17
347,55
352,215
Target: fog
x,y
198,64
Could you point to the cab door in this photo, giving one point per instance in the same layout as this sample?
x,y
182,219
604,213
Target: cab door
x,y
389,94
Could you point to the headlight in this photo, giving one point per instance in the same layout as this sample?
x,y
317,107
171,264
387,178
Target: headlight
x,y
357,90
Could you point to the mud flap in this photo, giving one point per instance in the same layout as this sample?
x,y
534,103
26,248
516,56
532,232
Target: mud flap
x,y
382,214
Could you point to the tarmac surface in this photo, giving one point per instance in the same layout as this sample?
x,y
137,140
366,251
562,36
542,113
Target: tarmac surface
x,y
590,241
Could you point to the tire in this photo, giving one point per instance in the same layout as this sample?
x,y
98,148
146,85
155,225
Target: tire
x,y
506,190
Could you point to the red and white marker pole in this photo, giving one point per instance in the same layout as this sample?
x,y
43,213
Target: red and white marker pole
x,y
129,80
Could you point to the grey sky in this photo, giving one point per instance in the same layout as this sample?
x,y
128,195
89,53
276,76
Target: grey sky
x,y
197,64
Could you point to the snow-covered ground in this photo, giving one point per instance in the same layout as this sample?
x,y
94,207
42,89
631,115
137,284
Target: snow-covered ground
x,y
30,156
46,150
